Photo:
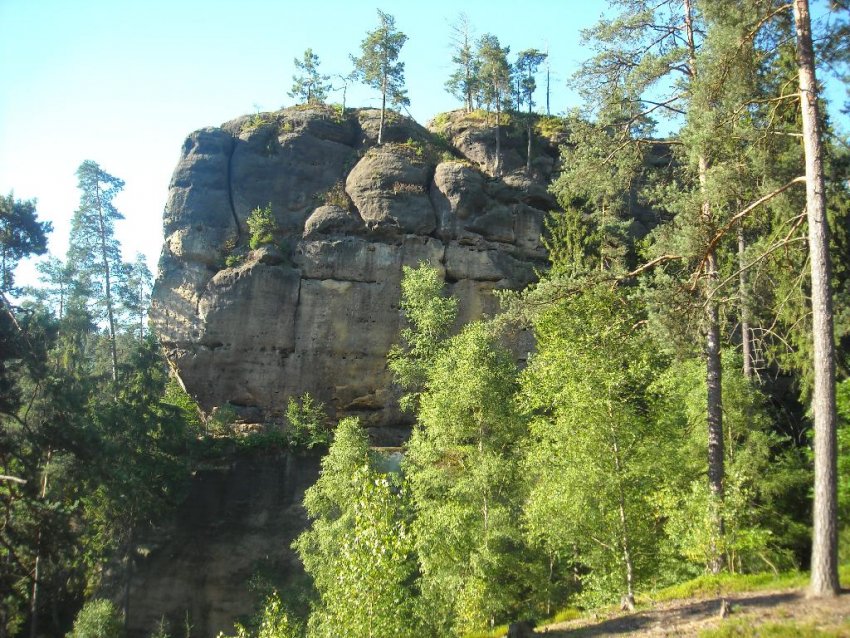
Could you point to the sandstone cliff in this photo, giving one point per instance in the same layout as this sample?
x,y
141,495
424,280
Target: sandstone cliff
x,y
318,311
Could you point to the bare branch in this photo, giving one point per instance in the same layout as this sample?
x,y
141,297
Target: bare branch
x,y
738,217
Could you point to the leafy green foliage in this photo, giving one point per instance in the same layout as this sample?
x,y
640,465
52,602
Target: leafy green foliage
x,y
274,621
595,459
429,315
97,619
359,546
307,423
262,227
311,86
462,463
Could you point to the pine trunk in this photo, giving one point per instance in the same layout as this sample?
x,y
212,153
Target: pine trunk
x,y
383,110
825,529
713,382
746,342
528,154
497,170
36,576
713,364
107,287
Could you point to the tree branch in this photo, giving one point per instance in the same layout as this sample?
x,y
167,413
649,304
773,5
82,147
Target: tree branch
x,y
738,217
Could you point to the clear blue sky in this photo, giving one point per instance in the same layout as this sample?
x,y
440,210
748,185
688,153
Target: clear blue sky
x,y
122,82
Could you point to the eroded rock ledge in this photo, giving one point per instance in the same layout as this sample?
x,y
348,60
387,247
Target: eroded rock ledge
x,y
318,311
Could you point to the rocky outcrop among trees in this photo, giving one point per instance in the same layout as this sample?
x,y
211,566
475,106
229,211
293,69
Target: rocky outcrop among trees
x,y
316,309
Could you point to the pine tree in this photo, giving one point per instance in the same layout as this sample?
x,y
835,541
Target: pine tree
x,y
464,81
825,531
527,63
310,86
93,251
495,84
378,65
21,235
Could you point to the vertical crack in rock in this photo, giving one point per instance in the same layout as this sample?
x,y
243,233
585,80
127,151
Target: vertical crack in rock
x,y
230,188
332,294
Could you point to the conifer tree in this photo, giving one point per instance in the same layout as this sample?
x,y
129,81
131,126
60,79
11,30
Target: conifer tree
x,y
21,235
527,63
825,531
310,86
378,65
495,84
93,250
464,80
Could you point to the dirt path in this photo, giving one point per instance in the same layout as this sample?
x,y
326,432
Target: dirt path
x,y
689,617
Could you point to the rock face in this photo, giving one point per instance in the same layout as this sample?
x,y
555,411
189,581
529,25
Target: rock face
x,y
318,311
235,527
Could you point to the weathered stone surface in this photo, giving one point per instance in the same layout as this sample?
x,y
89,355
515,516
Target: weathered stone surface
x,y
333,220
236,524
318,312
389,187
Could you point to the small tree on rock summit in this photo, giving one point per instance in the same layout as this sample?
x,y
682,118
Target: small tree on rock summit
x,y
378,65
310,86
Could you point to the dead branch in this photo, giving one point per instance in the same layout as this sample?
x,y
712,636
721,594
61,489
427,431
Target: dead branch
x,y
738,217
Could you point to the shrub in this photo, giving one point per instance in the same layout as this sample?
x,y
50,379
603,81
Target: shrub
x,y
256,121
336,196
262,226
97,619
307,423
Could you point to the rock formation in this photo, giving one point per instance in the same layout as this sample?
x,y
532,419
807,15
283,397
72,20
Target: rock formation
x,y
227,544
318,311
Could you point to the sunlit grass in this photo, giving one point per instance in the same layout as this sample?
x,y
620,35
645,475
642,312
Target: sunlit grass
x,y
708,585
497,632
724,584
744,628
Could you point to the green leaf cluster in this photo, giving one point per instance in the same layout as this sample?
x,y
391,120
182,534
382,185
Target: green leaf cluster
x,y
262,227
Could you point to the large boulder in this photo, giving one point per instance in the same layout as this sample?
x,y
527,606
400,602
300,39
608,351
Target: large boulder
x,y
318,311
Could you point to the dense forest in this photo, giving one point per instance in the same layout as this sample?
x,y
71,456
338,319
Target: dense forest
x,y
686,408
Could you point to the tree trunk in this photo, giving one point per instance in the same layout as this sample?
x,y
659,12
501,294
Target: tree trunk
x,y
713,365
36,575
528,154
629,598
128,574
383,109
746,342
825,529
107,287
713,382
497,169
